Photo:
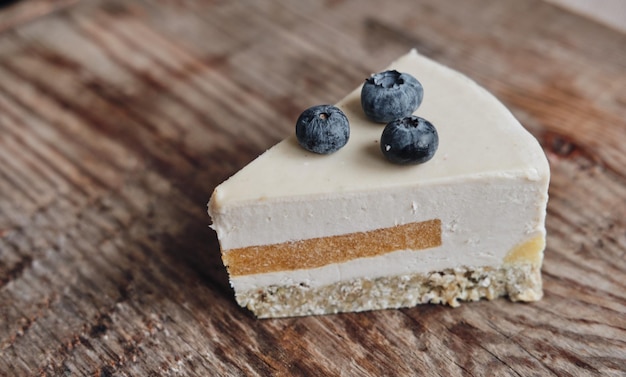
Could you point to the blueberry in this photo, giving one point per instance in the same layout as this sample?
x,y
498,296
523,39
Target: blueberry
x,y
410,140
322,129
390,95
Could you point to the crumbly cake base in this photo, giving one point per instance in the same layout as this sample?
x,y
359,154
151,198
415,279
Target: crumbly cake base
x,y
519,281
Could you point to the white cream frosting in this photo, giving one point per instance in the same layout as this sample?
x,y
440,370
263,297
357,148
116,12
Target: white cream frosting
x,y
487,183
482,220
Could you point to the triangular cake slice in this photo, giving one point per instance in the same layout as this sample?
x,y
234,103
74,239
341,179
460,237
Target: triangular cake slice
x,y
302,233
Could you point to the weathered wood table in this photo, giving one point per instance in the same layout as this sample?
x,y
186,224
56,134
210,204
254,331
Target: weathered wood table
x,y
118,118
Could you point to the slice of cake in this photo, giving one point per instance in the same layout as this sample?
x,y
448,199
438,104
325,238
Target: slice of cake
x,y
303,233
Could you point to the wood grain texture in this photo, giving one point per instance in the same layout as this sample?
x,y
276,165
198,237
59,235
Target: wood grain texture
x,y
18,12
117,120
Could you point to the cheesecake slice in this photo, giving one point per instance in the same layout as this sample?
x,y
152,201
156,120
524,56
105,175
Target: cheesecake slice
x,y
302,233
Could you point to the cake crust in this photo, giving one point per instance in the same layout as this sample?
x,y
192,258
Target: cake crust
x,y
520,282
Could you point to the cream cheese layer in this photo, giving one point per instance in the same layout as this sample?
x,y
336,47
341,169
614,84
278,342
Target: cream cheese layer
x,y
482,222
290,194
399,263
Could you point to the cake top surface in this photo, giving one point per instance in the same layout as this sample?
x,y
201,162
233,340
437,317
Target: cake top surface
x,y
478,136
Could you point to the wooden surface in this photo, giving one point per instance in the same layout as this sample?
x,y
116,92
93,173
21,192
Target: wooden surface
x,y
118,118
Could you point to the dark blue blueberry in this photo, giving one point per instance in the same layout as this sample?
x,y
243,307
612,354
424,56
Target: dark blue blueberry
x,y
410,140
390,95
322,129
